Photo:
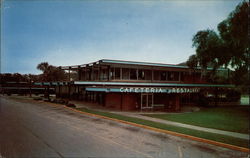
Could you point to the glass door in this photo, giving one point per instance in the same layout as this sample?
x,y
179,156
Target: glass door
x,y
143,101
150,100
146,101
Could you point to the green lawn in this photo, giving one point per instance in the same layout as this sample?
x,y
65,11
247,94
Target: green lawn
x,y
235,119
206,135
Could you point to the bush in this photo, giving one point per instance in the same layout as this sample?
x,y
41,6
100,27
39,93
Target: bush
x,y
71,105
233,95
203,101
38,98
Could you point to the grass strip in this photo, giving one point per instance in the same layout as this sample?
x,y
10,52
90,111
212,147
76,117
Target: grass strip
x,y
234,119
196,133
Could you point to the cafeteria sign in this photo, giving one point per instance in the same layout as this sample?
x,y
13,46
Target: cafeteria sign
x,y
159,90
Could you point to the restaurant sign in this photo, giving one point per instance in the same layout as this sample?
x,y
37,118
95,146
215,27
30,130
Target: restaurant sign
x,y
158,90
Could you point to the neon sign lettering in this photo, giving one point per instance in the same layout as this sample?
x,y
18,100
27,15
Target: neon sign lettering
x,y
158,90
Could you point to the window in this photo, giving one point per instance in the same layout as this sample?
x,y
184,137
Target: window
x,y
163,75
111,74
117,73
141,75
95,75
156,75
88,77
104,74
170,76
83,77
173,76
148,74
176,76
182,76
133,74
125,73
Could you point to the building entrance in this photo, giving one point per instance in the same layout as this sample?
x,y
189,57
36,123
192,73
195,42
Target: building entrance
x,y
147,101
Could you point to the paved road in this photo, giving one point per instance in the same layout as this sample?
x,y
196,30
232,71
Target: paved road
x,y
38,129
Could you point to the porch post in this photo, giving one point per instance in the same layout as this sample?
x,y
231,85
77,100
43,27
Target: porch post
x,y
85,73
121,101
120,73
69,90
69,73
99,72
109,76
79,73
137,74
152,75
59,90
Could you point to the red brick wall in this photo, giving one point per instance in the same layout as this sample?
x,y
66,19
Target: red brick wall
x,y
177,102
113,100
130,102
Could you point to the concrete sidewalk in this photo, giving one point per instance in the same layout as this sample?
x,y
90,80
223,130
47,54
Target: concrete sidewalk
x,y
139,115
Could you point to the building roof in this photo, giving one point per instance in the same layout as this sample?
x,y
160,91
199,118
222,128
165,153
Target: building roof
x,y
111,61
140,63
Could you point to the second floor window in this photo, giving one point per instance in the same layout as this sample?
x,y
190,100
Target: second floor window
x,y
163,76
141,75
173,76
125,74
133,74
117,73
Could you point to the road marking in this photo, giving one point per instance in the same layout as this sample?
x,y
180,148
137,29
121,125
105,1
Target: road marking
x,y
180,152
120,144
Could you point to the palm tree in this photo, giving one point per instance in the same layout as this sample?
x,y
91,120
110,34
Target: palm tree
x,y
50,72
43,66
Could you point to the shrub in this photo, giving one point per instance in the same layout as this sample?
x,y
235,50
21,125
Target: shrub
x,y
71,105
233,95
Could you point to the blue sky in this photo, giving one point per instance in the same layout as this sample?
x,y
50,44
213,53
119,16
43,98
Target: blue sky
x,y
82,31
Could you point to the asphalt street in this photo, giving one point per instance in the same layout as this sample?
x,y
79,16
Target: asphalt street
x,y
31,128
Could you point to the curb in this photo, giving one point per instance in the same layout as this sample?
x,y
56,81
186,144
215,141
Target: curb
x,y
229,146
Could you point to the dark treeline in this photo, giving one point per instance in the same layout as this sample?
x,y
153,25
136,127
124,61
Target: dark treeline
x,y
49,73
16,77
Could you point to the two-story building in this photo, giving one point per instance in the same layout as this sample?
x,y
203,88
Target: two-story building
x,y
129,85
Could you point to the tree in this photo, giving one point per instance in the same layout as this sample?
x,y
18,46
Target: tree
x,y
50,72
229,48
208,48
192,61
43,66
16,77
234,34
